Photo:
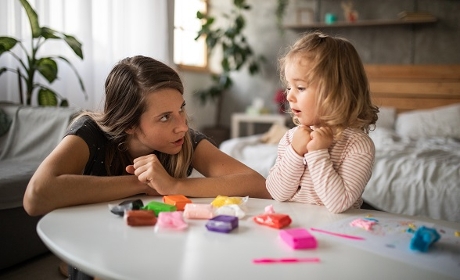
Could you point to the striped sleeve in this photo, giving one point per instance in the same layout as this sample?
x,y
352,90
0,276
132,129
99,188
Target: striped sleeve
x,y
285,176
335,177
340,182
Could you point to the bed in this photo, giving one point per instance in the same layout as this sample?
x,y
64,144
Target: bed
x,y
417,140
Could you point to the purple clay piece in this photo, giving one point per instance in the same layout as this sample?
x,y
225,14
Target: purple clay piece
x,y
222,223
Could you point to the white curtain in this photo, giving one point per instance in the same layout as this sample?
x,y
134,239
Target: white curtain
x,y
109,30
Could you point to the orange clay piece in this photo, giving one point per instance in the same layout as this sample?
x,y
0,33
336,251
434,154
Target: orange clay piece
x,y
177,200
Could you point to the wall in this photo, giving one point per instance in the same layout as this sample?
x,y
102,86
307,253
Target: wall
x,y
407,44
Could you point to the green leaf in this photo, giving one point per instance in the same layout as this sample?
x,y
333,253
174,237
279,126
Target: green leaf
x,y
48,68
240,23
49,33
253,68
47,97
33,19
74,44
82,86
6,44
64,103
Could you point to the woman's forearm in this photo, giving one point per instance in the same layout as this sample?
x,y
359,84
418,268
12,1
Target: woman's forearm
x,y
46,194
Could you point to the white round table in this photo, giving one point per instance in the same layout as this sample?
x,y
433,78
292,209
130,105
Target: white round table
x,y
100,243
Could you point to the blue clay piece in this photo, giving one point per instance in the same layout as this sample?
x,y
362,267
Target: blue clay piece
x,y
423,238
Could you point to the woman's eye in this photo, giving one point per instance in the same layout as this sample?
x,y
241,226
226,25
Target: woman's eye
x,y
182,108
164,118
300,88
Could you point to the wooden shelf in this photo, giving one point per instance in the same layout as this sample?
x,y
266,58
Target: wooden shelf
x,y
361,23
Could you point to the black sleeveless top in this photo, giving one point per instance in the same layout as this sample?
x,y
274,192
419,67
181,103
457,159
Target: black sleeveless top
x,y
86,128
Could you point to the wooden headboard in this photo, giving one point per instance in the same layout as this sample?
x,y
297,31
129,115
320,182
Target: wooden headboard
x,y
411,87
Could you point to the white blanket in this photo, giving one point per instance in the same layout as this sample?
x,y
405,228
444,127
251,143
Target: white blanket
x,y
252,152
415,177
412,177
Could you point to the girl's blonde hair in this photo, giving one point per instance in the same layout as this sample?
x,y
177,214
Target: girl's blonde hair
x,y
126,89
343,97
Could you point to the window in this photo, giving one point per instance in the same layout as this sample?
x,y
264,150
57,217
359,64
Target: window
x,y
189,53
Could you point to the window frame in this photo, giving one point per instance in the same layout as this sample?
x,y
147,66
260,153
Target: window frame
x,y
189,67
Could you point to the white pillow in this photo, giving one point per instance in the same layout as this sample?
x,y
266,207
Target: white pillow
x,y
441,121
387,118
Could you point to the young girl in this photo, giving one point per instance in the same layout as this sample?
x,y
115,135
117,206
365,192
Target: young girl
x,y
140,143
327,158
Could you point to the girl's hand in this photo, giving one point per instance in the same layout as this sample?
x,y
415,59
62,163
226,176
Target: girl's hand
x,y
150,171
321,138
301,139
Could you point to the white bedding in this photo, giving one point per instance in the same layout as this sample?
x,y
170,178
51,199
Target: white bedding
x,y
413,177
418,177
252,152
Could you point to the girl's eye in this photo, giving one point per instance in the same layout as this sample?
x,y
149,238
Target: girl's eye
x,y
300,88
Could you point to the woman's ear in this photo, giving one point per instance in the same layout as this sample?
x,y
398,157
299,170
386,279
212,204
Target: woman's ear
x,y
130,131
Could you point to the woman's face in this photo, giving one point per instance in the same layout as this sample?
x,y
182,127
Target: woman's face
x,y
162,126
300,94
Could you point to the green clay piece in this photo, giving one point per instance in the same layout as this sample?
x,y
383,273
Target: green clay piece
x,y
158,207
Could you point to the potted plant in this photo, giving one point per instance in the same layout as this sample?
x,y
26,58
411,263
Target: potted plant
x,y
32,64
236,55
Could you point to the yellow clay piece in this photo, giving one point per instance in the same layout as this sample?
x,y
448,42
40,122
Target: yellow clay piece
x,y
222,200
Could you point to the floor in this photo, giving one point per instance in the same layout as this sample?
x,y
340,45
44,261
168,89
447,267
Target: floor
x,y
43,267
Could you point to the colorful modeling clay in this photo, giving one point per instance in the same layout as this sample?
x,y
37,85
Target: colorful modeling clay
x,y
230,210
198,211
269,209
126,205
140,218
177,200
287,260
363,223
273,220
158,207
338,234
298,238
222,223
423,238
171,220
222,200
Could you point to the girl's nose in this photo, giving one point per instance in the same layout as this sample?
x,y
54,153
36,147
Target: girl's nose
x,y
290,96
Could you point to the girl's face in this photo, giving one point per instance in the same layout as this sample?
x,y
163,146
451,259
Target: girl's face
x,y
162,126
300,94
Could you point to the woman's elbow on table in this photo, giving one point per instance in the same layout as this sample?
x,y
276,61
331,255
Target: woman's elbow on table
x,y
33,202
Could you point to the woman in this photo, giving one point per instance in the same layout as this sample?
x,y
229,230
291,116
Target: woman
x,y
140,143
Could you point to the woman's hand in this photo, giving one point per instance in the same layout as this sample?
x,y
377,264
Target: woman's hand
x,y
321,138
150,171
301,139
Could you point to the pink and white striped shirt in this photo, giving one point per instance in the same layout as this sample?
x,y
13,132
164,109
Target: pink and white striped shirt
x,y
335,178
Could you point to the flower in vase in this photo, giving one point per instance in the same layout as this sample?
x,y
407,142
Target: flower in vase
x,y
280,100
